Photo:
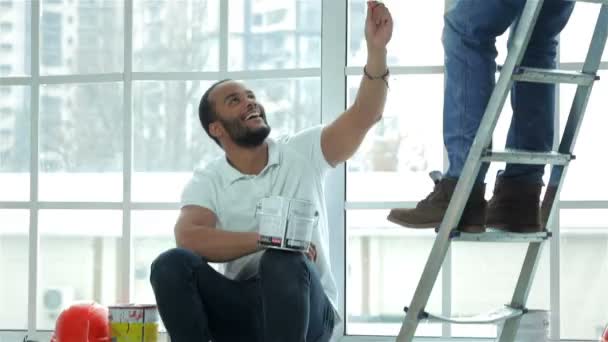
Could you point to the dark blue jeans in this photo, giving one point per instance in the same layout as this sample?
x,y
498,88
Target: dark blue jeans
x,y
284,302
469,37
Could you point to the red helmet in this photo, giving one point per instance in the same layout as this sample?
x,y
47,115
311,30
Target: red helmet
x,y
83,322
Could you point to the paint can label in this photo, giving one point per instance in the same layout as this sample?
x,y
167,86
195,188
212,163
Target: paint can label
x,y
133,323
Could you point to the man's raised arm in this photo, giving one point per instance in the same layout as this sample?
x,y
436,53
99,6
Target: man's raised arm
x,y
342,138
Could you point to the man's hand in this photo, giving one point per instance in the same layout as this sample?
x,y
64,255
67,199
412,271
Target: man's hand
x,y
311,253
378,26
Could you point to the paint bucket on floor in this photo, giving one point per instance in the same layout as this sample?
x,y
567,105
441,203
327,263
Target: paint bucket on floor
x,y
533,327
134,323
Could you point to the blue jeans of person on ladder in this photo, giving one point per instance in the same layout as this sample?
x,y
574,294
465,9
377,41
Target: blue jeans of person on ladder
x,y
283,302
469,36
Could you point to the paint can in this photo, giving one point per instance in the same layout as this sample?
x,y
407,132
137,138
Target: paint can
x,y
133,323
286,223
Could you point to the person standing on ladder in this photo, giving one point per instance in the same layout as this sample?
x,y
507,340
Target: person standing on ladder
x,y
469,36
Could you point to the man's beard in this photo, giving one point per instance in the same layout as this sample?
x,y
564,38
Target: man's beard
x,y
244,136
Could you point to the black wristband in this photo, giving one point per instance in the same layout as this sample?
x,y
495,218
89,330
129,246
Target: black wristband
x,y
384,77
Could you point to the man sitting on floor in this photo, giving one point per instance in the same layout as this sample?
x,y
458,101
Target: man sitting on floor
x,y
261,295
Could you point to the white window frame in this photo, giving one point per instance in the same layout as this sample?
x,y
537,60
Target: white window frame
x,y
333,73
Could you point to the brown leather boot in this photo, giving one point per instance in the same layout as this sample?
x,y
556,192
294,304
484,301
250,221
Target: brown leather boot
x,y
514,207
429,212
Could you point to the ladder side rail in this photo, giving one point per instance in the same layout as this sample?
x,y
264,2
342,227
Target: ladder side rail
x,y
522,290
581,98
579,105
577,111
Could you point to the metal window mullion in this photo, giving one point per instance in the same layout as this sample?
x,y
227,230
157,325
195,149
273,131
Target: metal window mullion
x,y
333,102
554,223
168,76
81,78
554,276
214,75
80,205
447,269
15,205
374,205
155,206
446,293
583,204
34,236
16,81
125,288
417,339
224,38
364,205
577,66
90,205
401,70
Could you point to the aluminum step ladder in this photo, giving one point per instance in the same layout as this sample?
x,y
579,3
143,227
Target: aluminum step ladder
x,y
511,71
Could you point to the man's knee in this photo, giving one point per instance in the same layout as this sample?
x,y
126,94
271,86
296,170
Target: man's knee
x,y
172,264
458,33
282,264
450,33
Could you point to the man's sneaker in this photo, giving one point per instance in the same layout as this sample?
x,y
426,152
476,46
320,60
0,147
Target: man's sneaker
x,y
430,211
514,207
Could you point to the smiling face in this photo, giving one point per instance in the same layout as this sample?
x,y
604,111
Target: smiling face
x,y
240,117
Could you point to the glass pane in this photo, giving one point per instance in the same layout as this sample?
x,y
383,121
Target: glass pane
x,y
584,273
78,260
152,235
14,143
15,33
14,258
168,138
170,142
416,32
291,104
580,182
383,265
576,36
274,34
484,278
172,35
397,155
81,142
79,37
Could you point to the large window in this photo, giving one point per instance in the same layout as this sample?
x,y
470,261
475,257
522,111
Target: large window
x,y
95,147
384,262
99,132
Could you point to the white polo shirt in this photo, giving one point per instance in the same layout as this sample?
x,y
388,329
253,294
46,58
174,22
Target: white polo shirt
x,y
296,169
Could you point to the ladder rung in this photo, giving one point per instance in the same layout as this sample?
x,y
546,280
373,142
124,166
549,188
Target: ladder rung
x,y
527,157
553,76
492,235
490,317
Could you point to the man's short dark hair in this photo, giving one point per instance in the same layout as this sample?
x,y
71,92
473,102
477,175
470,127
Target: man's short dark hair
x,y
206,112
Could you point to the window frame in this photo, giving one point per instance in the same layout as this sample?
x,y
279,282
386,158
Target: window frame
x,y
333,72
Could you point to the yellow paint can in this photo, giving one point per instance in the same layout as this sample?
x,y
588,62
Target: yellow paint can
x,y
133,323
